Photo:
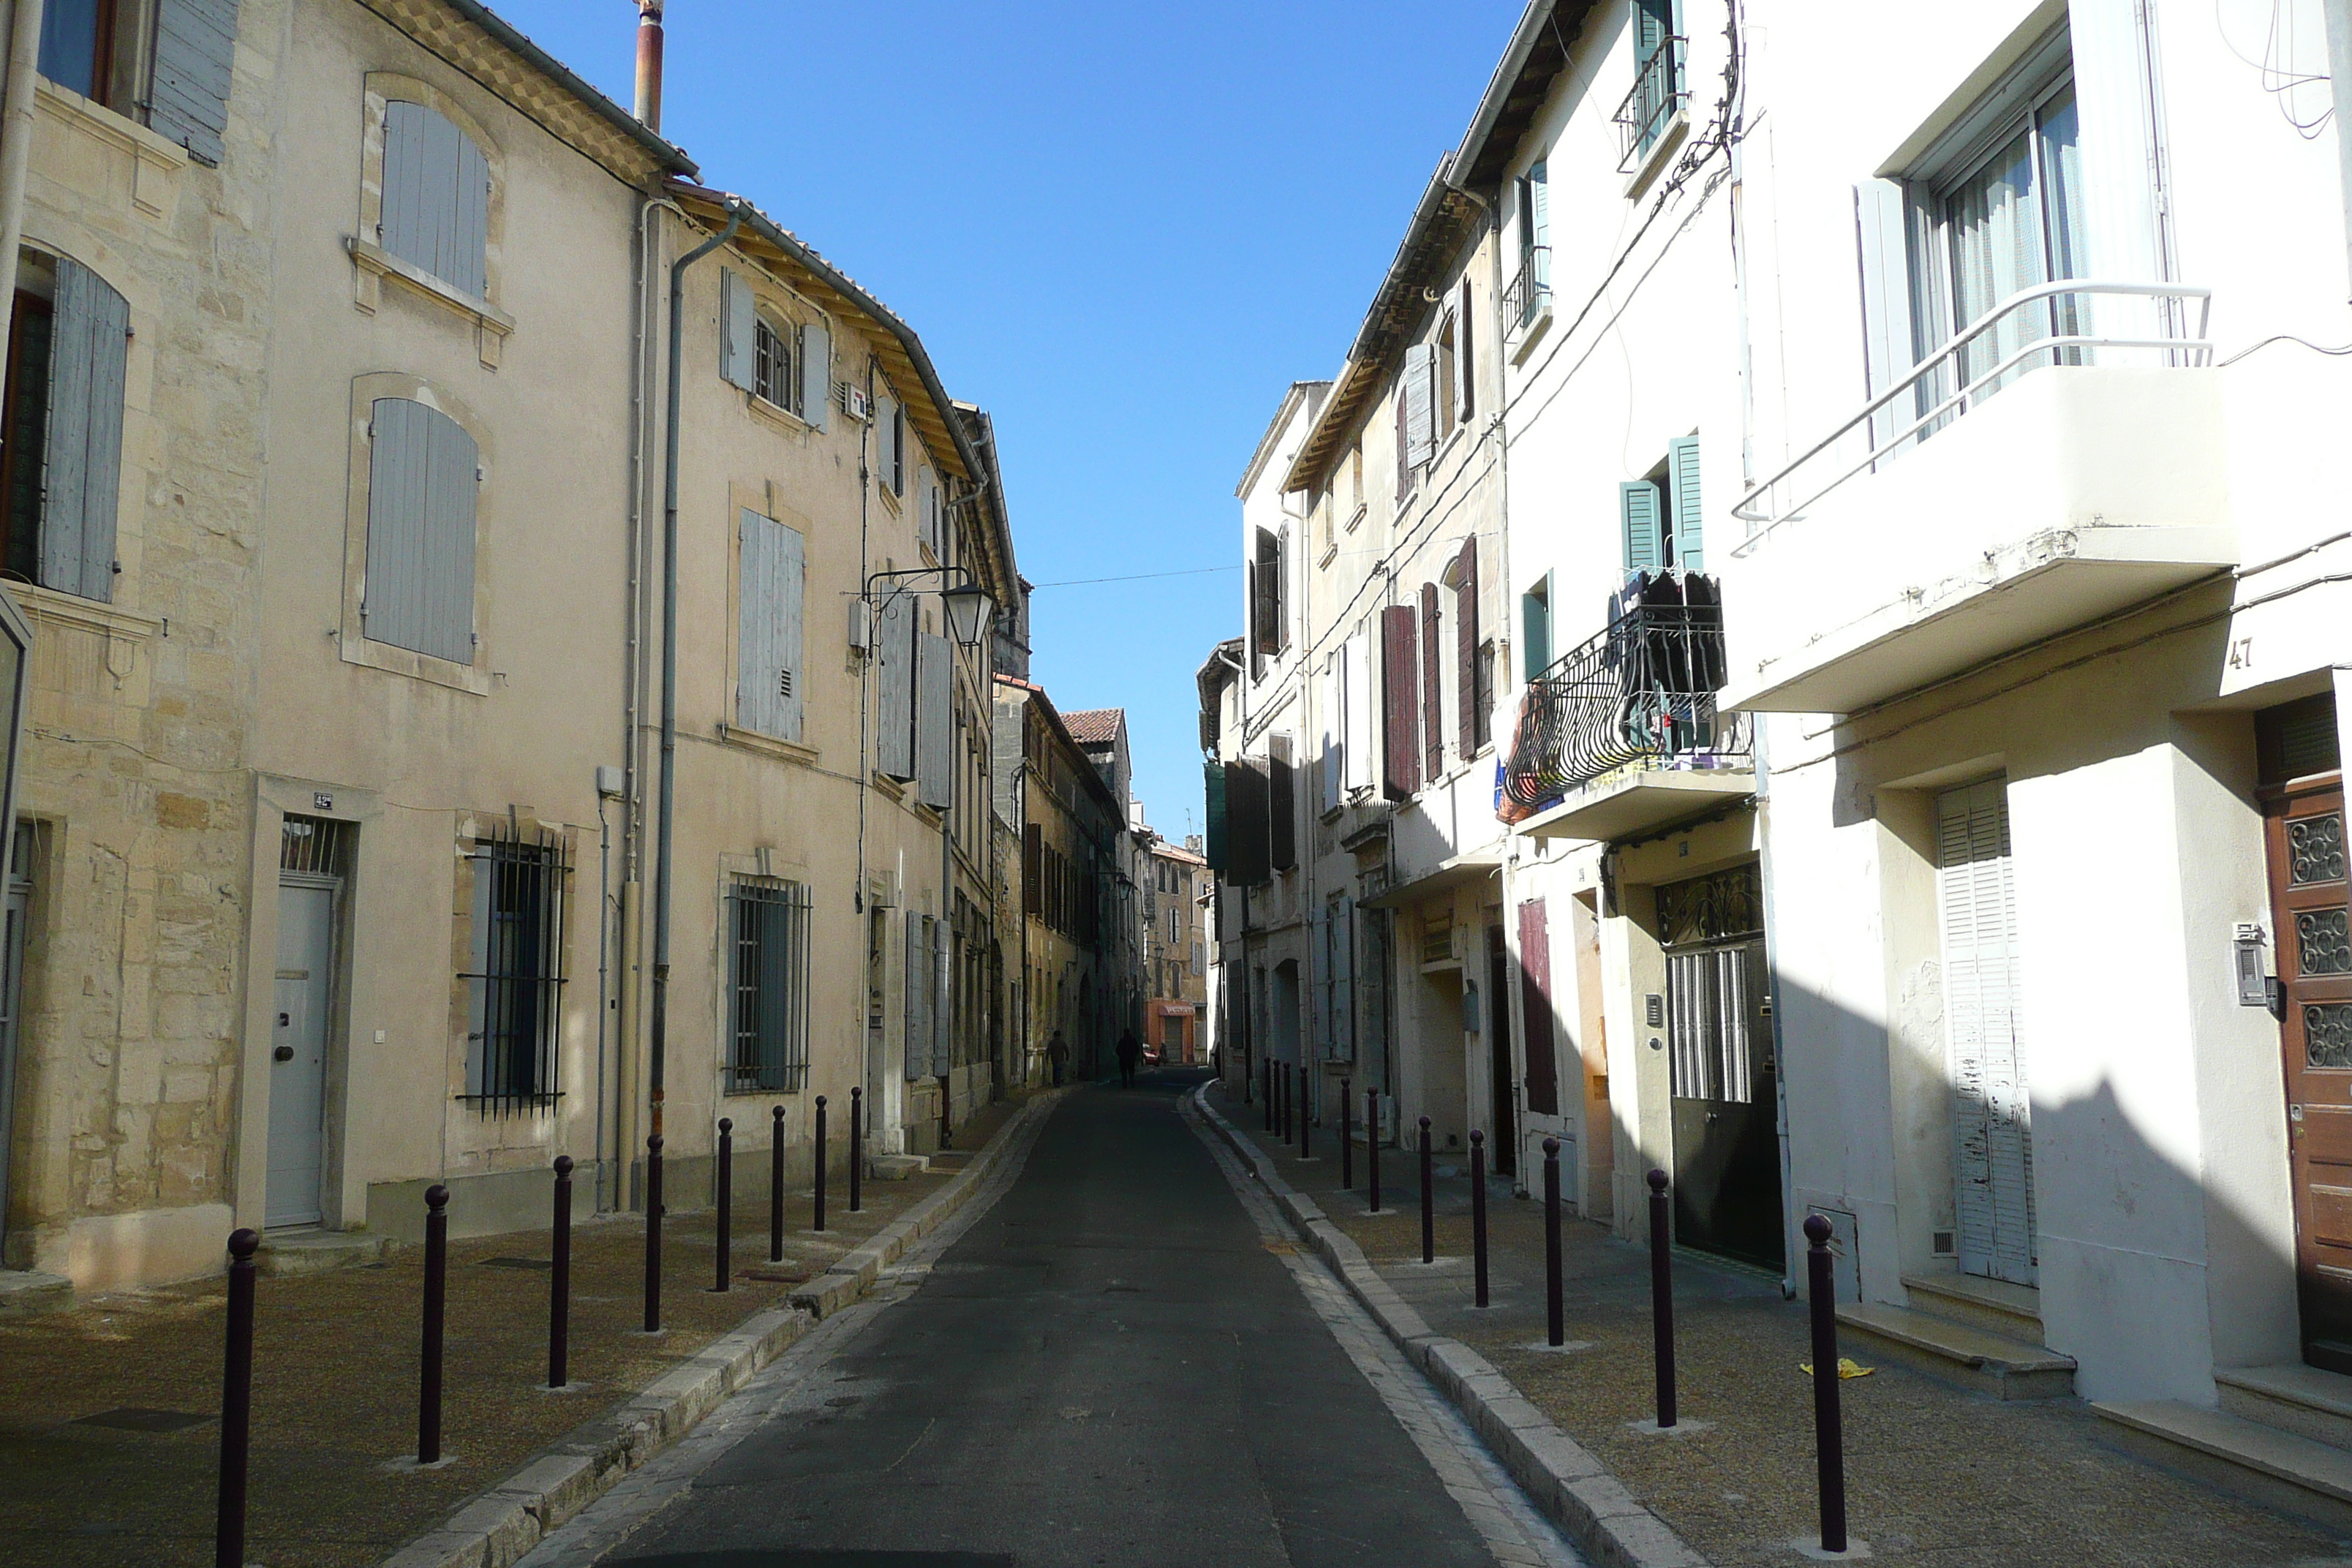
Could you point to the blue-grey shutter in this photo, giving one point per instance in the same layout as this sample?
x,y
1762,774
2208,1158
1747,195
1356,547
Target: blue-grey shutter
x,y
1637,510
927,502
1682,472
817,374
918,995
894,751
1539,205
771,584
195,56
935,720
777,1000
437,198
1535,629
738,321
942,1000
90,337
886,450
418,593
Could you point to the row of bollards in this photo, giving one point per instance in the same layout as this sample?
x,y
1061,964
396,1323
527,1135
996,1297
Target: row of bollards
x,y
1828,1420
237,1372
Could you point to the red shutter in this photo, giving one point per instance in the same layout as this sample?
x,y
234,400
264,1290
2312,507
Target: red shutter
x,y
1033,868
1432,685
1535,999
1400,675
1470,715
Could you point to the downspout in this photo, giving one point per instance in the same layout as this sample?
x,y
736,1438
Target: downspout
x,y
660,1040
17,137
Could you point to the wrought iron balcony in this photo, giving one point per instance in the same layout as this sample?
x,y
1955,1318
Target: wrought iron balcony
x,y
1658,95
1642,695
1530,291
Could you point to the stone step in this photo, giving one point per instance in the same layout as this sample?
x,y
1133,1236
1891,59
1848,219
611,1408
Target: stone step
x,y
2293,1397
291,1254
25,1294
2276,1469
896,1167
1991,1304
2004,1367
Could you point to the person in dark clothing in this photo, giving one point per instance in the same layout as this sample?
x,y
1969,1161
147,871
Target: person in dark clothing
x,y
1057,1052
1128,1050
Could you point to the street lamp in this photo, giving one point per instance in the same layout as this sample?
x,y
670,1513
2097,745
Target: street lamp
x,y
968,612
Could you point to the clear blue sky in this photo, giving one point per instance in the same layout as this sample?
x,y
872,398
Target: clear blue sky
x,y
1122,230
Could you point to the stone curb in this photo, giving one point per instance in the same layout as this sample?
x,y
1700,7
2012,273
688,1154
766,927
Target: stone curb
x,y
494,1529
1574,1490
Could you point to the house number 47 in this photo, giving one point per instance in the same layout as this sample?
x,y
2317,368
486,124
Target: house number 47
x,y
2242,653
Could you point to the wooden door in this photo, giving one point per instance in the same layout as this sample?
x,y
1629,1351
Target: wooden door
x,y
1505,1121
2304,829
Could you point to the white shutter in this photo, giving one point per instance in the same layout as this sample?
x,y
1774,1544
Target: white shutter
x,y
1334,730
894,749
1539,201
1357,742
934,719
770,587
1416,386
816,374
738,322
1993,1152
1881,226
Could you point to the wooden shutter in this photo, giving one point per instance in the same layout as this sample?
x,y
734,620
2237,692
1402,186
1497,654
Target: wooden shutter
x,y
816,374
771,578
1033,869
1470,714
934,720
195,54
739,320
1682,472
81,482
418,593
1332,757
1249,845
1400,707
1212,785
918,995
1637,512
437,198
1993,1150
1282,802
894,746
1535,1001
1433,685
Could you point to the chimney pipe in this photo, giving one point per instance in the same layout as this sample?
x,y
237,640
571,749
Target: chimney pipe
x,y
650,63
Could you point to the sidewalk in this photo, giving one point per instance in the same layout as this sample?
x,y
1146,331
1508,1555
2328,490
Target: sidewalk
x,y
108,1442
1935,1474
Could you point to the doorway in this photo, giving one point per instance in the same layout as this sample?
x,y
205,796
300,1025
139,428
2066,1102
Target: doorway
x,y
310,905
1725,1103
2303,823
11,1003
1496,1014
1992,1133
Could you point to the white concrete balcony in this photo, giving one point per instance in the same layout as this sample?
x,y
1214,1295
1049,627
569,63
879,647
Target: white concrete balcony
x,y
2037,499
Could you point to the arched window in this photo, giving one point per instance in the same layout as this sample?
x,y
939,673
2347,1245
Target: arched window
x,y
437,198
61,427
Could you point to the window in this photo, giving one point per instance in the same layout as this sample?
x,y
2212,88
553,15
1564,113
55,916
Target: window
x,y
771,582
1415,395
437,198
1446,411
1658,87
1659,516
423,473
516,985
772,365
77,46
1535,629
766,985
764,351
1401,701
1472,688
1531,288
890,444
164,63
1268,578
60,467
1335,730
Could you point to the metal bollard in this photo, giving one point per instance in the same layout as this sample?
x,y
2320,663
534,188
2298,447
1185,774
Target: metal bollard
x,y
653,1232
437,1296
1828,1423
1479,1212
1555,1320
776,1185
725,1204
1428,1200
1347,1134
817,1223
1305,1114
237,1402
856,1151
1373,1151
559,1279
1662,1295
1266,1095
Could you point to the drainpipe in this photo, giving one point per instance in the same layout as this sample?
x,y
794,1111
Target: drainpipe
x,y
650,63
660,1042
17,138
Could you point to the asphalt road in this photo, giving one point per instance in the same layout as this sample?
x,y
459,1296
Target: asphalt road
x,y
1111,1366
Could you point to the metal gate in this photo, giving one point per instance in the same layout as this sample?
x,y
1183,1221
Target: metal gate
x,y
1726,1110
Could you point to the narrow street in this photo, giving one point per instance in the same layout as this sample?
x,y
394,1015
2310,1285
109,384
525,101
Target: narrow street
x,y
1119,1361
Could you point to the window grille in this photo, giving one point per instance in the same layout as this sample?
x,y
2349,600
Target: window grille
x,y
312,844
766,985
517,981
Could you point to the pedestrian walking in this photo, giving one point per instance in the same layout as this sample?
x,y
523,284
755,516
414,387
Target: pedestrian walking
x,y
1130,1048
1057,1051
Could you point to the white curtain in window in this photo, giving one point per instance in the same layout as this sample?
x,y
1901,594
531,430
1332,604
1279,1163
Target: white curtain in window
x,y
2015,223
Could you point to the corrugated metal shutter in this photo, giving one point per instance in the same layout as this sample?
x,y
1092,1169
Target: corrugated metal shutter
x,y
1212,785
1993,1150
1433,685
196,56
918,1055
1470,714
1637,512
1249,845
82,459
423,471
1682,470
739,324
934,720
437,198
816,374
772,577
1535,1002
1282,802
1400,709
894,743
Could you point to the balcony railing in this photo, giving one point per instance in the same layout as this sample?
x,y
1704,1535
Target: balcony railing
x,y
1658,96
2058,311
1640,694
1531,291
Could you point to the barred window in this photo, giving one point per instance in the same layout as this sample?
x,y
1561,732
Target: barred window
x,y
771,366
766,985
516,981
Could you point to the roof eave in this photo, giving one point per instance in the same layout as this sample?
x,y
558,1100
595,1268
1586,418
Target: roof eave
x,y
667,154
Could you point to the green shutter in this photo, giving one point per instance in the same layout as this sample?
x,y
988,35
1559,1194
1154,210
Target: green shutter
x,y
1535,629
1213,785
1682,468
1637,507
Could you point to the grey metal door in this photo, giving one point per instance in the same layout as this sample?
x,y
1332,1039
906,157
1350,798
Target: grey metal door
x,y
298,1054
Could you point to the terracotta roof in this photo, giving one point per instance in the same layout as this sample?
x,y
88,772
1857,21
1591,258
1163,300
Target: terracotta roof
x,y
1178,852
1096,726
